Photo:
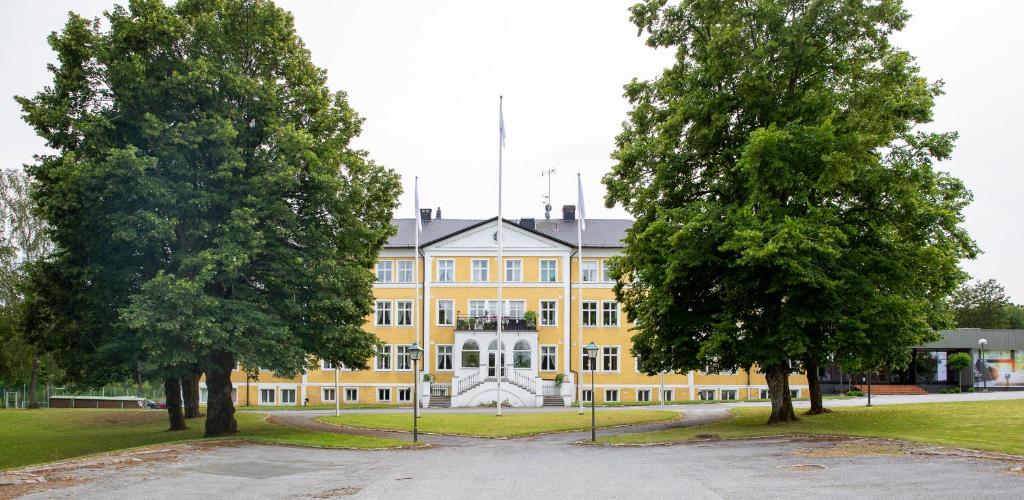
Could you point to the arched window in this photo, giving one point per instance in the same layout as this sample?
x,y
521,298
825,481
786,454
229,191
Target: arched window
x,y
470,354
521,354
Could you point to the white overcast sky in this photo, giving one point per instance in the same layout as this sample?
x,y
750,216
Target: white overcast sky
x,y
427,75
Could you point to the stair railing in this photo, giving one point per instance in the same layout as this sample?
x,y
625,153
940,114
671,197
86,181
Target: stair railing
x,y
467,383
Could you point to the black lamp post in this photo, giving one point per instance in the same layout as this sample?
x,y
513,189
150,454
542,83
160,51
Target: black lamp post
x,y
414,354
591,350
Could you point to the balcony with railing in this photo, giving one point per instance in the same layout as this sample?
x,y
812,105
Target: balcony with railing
x,y
490,323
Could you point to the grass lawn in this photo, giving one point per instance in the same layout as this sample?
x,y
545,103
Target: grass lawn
x,y
700,401
39,436
510,425
982,425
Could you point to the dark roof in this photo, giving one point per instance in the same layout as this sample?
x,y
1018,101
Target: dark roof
x,y
967,338
600,233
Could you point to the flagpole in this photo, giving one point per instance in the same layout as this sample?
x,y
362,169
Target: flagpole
x,y
417,226
579,269
500,354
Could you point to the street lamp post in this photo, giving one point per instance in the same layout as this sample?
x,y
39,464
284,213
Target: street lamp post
x,y
592,356
414,354
984,366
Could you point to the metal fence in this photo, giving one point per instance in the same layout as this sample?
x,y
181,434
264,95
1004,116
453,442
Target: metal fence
x,y
16,395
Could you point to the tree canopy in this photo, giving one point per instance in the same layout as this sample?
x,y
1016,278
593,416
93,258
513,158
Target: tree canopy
x,y
786,201
204,197
984,304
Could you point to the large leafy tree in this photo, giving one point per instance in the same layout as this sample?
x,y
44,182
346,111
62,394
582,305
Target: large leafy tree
x,y
787,210
984,304
205,201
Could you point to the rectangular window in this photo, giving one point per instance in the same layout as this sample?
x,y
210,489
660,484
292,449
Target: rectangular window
x,y
610,359
548,313
548,271
445,312
382,314
405,271
479,270
478,308
513,270
611,395
444,357
548,358
706,394
326,365
384,268
287,396
728,394
610,313
794,393
606,275
384,394
267,396
667,395
328,394
764,394
587,395
403,313
515,308
589,313
643,395
402,360
589,271
351,394
384,357
445,271
404,395
588,364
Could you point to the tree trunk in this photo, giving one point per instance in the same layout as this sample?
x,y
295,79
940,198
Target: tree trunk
x,y
172,391
778,392
138,377
814,386
33,385
220,411
190,390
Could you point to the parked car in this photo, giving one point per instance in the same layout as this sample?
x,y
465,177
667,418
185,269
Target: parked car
x,y
154,405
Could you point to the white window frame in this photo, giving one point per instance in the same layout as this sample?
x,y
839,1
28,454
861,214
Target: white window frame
x,y
763,394
611,391
273,396
605,272
377,309
517,271
671,393
323,394
450,354
617,357
702,392
383,357
596,313
541,271
326,365
388,389
402,357
390,271
450,311
480,274
733,392
553,354
408,306
541,321
589,271
446,266
584,359
345,394
294,392
401,273
643,399
604,305
794,393
586,395
408,394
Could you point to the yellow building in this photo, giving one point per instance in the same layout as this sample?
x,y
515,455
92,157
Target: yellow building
x,y
445,299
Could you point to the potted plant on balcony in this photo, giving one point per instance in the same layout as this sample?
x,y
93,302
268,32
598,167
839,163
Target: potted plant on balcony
x,y
530,317
559,379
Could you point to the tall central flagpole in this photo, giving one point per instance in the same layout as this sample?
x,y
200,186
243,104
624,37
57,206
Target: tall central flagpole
x,y
579,253
418,226
500,351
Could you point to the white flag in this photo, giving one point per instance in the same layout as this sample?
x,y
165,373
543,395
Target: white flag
x,y
416,197
501,125
582,214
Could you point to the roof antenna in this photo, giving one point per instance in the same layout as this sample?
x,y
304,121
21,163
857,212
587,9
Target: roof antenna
x,y
547,198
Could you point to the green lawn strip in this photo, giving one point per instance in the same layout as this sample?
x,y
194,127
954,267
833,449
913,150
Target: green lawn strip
x,y
700,401
983,425
40,436
357,406
510,425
